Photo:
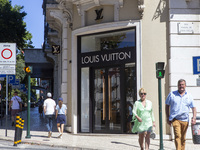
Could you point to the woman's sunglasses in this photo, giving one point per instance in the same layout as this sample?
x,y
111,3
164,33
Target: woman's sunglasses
x,y
143,93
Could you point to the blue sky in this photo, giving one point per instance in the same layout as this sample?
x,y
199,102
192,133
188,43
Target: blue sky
x,y
34,19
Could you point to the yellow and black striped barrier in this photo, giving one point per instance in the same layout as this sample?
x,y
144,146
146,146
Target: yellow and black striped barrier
x,y
19,125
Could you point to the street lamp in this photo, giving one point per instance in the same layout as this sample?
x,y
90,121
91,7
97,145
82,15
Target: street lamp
x,y
28,70
160,72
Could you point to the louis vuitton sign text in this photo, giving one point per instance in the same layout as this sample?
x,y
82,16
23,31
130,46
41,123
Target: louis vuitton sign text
x,y
108,57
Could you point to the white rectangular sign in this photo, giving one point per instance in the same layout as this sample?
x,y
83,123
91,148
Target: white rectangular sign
x,y
185,27
7,67
7,71
7,53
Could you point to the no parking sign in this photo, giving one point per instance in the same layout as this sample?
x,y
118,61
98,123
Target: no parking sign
x,y
7,53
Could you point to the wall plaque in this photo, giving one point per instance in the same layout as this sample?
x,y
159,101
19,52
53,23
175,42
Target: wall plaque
x,y
185,27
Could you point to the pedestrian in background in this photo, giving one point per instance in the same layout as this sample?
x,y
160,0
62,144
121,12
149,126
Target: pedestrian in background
x,y
16,104
143,118
129,116
61,111
49,111
40,104
178,104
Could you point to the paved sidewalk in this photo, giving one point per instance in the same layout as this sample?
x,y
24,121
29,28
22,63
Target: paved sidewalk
x,y
91,141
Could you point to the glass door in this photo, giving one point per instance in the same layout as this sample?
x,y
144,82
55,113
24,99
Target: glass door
x,y
107,97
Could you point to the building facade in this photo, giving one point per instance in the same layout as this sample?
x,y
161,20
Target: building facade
x,y
108,51
184,44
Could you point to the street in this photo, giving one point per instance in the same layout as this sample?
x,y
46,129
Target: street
x,y
36,121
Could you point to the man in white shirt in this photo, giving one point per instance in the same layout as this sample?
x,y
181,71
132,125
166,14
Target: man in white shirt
x,y
49,110
16,104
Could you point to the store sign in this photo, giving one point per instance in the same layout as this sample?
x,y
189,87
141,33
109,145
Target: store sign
x,y
196,65
56,49
99,14
118,56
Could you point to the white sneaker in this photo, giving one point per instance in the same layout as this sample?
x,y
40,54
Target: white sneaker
x,y
60,136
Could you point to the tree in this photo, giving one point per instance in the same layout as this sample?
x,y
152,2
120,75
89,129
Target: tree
x,y
12,26
13,30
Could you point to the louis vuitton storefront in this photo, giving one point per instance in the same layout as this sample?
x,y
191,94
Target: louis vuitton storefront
x,y
106,80
108,51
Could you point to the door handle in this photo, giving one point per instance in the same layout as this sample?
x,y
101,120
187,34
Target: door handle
x,y
104,99
109,97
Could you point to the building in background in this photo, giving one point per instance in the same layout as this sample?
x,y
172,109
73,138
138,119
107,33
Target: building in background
x,y
104,51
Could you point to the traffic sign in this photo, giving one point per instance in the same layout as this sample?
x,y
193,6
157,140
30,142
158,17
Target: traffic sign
x,y
7,53
11,79
7,72
196,65
7,69
17,81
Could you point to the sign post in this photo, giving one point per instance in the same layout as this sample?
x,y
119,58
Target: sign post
x,y
159,75
7,66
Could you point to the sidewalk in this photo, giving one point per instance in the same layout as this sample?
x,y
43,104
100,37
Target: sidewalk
x,y
91,141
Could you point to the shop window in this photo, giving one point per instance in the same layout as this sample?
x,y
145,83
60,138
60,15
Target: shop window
x,y
85,100
108,41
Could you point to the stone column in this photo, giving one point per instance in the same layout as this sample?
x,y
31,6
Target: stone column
x,y
64,61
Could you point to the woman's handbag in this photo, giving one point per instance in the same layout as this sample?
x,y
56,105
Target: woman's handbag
x,y
153,134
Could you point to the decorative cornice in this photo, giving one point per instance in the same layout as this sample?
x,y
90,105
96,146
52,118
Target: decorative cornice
x,y
141,7
64,6
84,5
56,14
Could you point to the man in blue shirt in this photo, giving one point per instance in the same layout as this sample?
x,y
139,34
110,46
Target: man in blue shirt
x,y
179,102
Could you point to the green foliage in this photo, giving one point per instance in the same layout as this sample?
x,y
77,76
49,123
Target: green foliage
x,y
13,30
20,74
12,26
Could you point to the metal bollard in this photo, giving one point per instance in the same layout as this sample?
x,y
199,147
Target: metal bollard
x,y
21,129
16,130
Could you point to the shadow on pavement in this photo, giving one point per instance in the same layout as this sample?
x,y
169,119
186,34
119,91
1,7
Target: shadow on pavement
x,y
125,144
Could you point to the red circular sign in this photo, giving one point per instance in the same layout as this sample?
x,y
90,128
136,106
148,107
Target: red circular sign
x,y
6,57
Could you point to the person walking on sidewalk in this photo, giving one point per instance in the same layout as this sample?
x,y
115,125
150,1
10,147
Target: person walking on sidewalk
x,y
61,111
143,118
49,111
178,104
16,104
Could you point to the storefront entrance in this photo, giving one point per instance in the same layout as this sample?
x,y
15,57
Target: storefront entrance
x,y
106,81
107,100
